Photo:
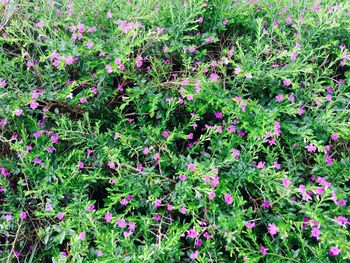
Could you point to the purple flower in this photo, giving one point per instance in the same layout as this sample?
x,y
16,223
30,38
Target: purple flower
x,y
335,137
265,204
192,233
108,217
60,215
121,223
286,182
228,199
311,148
182,177
260,165
33,104
286,82
334,251
263,250
194,255
82,236
315,232
272,228
250,224
279,98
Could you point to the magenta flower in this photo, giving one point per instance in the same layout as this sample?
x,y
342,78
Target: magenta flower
x,y
166,134
121,223
90,44
315,232
82,236
108,217
334,251
279,98
228,199
182,177
157,203
80,165
211,195
260,165
18,112
183,210
60,215
286,82
191,166
83,100
214,77
33,104
265,204
263,250
250,224
335,137
237,70
194,255
192,233
311,148
272,228
91,208
286,182
109,68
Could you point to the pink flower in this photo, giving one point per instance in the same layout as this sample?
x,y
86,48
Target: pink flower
x,y
60,215
214,77
109,14
90,44
272,228
250,224
82,236
18,112
286,82
111,165
218,115
2,83
191,166
194,255
108,217
166,134
228,199
182,177
80,165
192,233
279,98
311,148
121,223
265,204
157,203
109,68
277,165
91,208
260,165
237,70
334,251
139,61
263,250
335,137
183,210
286,182
33,104
211,195
315,232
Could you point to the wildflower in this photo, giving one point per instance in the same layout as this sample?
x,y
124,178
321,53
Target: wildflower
x,y
109,14
315,232
272,228
182,177
8,217
91,208
138,61
286,182
156,217
111,165
228,199
214,77
286,82
250,224
263,250
311,148
108,217
191,166
335,137
218,115
121,223
279,98
334,251
192,233
183,210
157,203
60,215
82,236
260,165
80,165
90,44
237,70
33,104
124,202
211,195
109,68
166,134
99,253
194,255
277,165
198,243
265,204
54,139
3,83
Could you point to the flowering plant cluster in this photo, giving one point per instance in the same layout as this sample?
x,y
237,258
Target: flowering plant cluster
x,y
174,131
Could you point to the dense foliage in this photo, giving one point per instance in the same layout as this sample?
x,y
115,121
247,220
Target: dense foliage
x,y
174,131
